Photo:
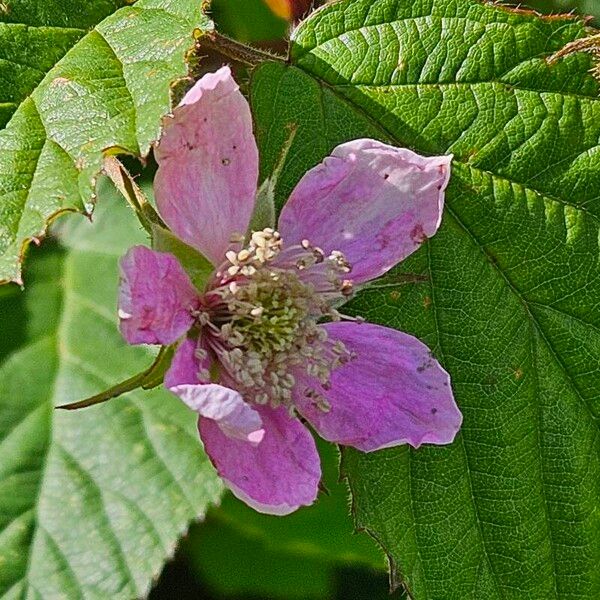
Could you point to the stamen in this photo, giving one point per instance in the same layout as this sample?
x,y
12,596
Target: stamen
x,y
261,318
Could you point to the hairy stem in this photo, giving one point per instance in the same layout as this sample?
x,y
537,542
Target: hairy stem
x,y
235,50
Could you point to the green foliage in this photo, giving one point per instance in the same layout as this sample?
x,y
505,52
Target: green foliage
x,y
34,36
509,305
108,91
91,502
247,20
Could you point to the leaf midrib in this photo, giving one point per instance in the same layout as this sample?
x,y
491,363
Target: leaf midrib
x,y
534,322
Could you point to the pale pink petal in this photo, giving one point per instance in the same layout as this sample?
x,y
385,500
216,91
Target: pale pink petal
x,y
276,476
225,407
373,202
187,379
208,166
392,392
156,297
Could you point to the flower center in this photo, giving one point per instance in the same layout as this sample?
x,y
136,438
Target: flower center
x,y
261,317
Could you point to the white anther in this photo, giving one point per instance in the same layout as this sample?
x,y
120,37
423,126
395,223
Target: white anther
x,y
231,256
323,405
257,311
203,375
247,270
243,255
260,239
261,399
263,254
346,287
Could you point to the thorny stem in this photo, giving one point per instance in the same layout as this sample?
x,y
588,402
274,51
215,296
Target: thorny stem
x,y
235,50
590,44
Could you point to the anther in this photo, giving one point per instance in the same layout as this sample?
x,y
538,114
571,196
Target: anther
x,y
346,287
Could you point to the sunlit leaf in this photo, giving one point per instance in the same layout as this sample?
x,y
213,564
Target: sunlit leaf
x,y
92,502
108,91
508,300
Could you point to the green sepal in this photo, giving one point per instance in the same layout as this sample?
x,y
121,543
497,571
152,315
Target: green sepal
x,y
148,379
264,209
197,266
264,214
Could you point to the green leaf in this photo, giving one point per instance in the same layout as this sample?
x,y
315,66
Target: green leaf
x,y
34,36
512,508
91,502
109,91
264,214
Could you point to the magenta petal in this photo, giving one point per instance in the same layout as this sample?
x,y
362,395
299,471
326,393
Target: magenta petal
x,y
393,392
373,202
208,166
155,297
276,476
185,366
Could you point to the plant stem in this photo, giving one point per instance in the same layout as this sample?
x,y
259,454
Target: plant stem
x,y
237,51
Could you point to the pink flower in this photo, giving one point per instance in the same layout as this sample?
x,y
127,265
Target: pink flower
x,y
263,343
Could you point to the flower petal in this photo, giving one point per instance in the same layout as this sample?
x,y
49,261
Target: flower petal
x,y
208,166
373,202
276,476
392,392
185,366
225,407
222,404
155,297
